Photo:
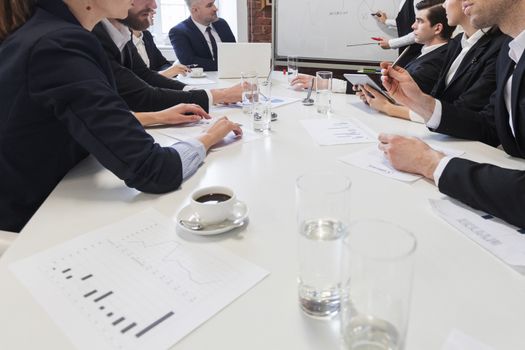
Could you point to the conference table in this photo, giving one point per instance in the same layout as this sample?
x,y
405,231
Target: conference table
x,y
458,285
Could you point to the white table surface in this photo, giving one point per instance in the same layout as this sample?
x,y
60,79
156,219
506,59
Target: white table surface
x,y
458,285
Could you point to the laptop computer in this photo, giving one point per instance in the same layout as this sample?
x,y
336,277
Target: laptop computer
x,y
235,58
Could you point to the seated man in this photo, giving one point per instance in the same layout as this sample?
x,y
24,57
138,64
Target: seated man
x,y
495,190
195,39
141,88
469,75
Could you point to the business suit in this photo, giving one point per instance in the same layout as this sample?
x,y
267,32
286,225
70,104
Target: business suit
x,y
59,103
404,20
157,61
475,78
143,89
425,69
190,44
498,191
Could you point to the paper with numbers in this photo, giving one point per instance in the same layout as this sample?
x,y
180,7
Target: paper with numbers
x,y
134,284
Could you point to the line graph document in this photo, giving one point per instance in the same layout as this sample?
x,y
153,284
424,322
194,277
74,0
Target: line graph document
x,y
134,284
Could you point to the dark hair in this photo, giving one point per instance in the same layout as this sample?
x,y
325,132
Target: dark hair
x,y
14,13
437,15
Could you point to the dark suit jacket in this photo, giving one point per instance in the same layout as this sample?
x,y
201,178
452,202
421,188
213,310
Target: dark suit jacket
x,y
143,89
425,70
498,191
190,44
156,60
59,103
475,79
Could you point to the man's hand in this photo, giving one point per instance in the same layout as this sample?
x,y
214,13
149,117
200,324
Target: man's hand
x,y
410,154
374,99
228,95
182,113
218,131
302,81
404,90
385,45
381,16
175,70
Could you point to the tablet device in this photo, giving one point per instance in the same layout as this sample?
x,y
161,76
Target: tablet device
x,y
363,79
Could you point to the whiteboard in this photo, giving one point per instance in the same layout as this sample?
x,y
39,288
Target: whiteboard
x,y
322,29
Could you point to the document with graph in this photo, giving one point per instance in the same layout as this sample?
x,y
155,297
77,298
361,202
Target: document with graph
x,y
134,284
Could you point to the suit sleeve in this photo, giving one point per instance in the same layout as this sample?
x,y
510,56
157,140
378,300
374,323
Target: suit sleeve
x,y
95,116
147,91
497,191
183,49
426,74
157,59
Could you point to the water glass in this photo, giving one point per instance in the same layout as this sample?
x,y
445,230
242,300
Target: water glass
x,y
292,68
262,106
378,265
323,100
323,203
249,89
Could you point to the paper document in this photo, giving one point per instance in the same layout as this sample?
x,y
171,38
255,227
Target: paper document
x,y
374,160
134,284
458,340
190,131
277,102
332,131
505,241
195,81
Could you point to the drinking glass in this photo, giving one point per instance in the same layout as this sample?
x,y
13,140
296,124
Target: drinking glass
x,y
262,106
292,69
323,203
249,89
378,264
323,101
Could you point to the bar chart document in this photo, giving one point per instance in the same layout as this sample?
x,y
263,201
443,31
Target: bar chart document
x,y
134,284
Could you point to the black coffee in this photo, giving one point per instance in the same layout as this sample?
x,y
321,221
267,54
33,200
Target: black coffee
x,y
213,198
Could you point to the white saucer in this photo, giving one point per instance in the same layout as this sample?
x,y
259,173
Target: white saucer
x,y
240,212
200,76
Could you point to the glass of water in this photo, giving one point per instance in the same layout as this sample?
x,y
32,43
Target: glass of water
x,y
249,89
323,100
378,264
262,106
292,68
323,204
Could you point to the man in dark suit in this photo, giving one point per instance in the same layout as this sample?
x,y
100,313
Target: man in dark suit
x,y
498,191
143,89
195,39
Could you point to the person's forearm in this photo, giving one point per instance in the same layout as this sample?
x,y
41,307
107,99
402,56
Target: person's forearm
x,y
423,105
398,111
147,118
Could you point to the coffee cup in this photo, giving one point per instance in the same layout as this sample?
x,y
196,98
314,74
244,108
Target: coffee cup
x,y
197,72
213,204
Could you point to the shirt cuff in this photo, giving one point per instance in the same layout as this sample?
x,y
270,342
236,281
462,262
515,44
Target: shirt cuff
x,y
208,92
435,119
440,168
405,40
192,154
415,117
391,23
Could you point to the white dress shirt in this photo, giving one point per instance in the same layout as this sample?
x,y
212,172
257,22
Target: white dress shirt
x,y
138,41
516,49
119,33
466,45
216,36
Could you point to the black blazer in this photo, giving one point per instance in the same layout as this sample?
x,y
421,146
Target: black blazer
x,y
143,89
156,60
59,103
475,79
498,191
190,44
425,70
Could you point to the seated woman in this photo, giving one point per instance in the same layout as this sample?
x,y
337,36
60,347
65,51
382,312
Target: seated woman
x,y
468,77
60,104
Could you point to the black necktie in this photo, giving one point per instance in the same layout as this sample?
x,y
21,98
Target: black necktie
x,y
213,43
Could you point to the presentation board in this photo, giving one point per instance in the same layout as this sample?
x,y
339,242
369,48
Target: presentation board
x,y
324,29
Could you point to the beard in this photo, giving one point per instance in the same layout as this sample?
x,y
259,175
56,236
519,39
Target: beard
x,y
135,22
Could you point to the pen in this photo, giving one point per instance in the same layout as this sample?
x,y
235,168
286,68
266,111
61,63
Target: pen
x,y
376,38
399,57
377,14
